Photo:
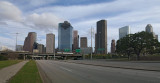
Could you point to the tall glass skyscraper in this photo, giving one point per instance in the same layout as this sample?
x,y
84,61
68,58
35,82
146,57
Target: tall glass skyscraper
x,y
124,31
65,36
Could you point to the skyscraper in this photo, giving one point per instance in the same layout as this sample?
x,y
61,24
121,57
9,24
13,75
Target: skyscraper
x,y
113,48
41,48
101,37
65,36
29,42
50,43
75,40
149,28
19,48
83,42
95,44
157,37
124,31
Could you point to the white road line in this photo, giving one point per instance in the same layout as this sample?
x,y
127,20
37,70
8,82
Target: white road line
x,y
66,69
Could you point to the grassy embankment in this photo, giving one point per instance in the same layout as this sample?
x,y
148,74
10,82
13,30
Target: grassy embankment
x,y
8,63
28,74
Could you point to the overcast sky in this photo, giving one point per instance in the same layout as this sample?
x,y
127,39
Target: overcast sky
x,y
43,16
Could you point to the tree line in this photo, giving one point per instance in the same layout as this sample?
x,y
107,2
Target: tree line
x,y
141,43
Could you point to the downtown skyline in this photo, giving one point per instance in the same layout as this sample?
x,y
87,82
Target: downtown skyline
x,y
43,17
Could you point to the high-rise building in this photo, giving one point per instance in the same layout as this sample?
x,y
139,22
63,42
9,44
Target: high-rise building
x,y
83,42
124,31
75,40
41,48
101,37
113,47
95,51
19,48
50,43
29,42
149,28
157,37
65,36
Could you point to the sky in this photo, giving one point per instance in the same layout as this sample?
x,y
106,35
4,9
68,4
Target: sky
x,y
43,16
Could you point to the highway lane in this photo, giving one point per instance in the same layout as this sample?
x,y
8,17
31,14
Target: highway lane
x,y
63,72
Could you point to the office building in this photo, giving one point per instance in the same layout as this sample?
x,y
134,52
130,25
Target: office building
x,y
65,36
95,51
75,40
50,43
101,37
19,48
29,42
149,28
83,42
124,31
113,47
41,48
156,37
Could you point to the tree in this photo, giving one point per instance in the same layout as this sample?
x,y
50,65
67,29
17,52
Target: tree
x,y
124,46
138,43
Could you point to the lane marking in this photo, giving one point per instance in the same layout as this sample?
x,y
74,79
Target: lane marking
x,y
66,69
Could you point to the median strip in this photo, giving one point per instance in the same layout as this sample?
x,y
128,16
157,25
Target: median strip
x,y
28,74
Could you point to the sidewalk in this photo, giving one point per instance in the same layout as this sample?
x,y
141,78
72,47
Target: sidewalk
x,y
135,65
7,72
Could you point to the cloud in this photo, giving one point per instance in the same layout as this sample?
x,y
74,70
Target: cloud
x,y
44,21
8,11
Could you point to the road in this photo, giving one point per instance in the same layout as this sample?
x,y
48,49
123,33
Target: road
x,y
64,72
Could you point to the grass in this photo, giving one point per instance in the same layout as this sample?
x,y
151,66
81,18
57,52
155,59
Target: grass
x,y
8,63
28,74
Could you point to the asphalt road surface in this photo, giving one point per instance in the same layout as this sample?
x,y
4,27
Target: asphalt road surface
x,y
63,72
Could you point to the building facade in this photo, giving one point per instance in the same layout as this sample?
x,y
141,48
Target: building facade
x,y
83,42
113,46
65,36
50,43
101,37
149,28
19,48
124,31
75,40
41,48
29,42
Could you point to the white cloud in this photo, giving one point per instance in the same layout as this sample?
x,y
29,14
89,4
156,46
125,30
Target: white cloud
x,y
44,21
9,11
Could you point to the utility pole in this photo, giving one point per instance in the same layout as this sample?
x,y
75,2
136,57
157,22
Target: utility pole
x,y
91,43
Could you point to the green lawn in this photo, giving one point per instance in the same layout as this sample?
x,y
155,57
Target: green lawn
x,y
8,63
28,74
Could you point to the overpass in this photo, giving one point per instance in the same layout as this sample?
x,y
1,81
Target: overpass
x,y
44,56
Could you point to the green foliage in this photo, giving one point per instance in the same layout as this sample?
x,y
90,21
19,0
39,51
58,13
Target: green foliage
x,y
138,43
3,57
28,74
